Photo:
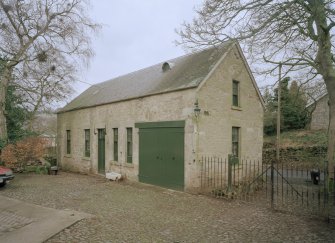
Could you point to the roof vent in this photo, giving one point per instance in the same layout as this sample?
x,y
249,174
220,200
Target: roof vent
x,y
166,66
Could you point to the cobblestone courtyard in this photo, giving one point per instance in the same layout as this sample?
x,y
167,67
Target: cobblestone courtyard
x,y
134,212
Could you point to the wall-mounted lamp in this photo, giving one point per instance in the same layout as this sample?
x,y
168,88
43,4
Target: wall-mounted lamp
x,y
196,109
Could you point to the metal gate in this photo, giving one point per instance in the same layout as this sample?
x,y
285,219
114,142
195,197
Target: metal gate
x,y
161,154
286,188
299,190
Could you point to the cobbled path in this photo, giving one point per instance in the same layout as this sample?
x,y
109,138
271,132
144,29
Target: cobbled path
x,y
10,221
134,212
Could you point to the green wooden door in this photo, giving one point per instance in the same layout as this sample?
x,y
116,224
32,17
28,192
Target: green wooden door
x,y
101,150
161,154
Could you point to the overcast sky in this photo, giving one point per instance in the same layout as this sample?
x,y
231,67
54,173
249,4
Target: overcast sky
x,y
135,34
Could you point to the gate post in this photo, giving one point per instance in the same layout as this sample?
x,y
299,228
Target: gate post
x,y
326,189
229,175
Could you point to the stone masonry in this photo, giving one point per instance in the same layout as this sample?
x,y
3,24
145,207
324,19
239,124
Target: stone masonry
x,y
320,116
208,134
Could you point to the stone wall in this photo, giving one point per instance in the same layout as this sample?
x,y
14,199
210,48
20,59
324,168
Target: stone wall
x,y
219,116
208,134
320,116
301,157
121,115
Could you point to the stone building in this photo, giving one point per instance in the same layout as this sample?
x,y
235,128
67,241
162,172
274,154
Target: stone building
x,y
153,125
320,115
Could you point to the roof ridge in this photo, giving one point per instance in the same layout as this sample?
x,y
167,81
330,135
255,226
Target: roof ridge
x,y
189,70
169,60
317,98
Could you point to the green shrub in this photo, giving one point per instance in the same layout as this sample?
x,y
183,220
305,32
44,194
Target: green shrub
x,y
30,168
41,170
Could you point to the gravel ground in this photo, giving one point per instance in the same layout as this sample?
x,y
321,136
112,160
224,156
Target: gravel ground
x,y
134,212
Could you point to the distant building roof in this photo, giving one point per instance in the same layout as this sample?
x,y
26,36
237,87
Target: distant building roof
x,y
317,99
177,74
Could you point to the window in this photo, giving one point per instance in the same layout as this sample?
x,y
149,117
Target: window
x,y
235,141
115,144
68,141
129,145
87,143
236,93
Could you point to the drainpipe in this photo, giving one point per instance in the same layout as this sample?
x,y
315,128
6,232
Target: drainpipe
x,y
196,128
195,118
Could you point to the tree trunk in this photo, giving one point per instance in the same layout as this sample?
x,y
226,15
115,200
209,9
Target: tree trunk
x,y
4,82
324,60
331,131
3,91
329,78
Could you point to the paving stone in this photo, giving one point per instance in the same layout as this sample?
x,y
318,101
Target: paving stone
x,y
134,212
10,221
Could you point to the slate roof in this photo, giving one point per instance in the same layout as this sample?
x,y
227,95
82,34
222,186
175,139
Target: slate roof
x,y
186,72
315,100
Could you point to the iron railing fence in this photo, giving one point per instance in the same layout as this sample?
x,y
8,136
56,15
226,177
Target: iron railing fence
x,y
220,177
281,186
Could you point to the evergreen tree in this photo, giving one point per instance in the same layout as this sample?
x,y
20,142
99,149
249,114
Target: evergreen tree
x,y
270,114
294,114
16,116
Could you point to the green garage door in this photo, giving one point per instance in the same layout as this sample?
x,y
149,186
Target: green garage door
x,y
161,153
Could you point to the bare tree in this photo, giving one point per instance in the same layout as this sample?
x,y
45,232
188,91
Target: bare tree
x,y
295,33
41,84
42,43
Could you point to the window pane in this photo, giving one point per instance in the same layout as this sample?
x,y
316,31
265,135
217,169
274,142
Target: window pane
x,y
235,100
235,93
129,149
68,141
87,142
235,134
235,141
129,134
235,87
115,144
129,145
